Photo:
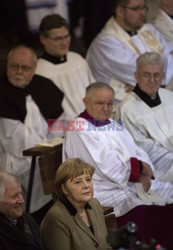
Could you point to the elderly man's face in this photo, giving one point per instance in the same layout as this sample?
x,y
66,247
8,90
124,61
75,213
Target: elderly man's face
x,y
133,15
11,202
57,43
149,78
21,67
99,103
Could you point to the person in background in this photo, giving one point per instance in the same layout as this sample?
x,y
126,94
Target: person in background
x,y
147,114
27,102
66,69
17,229
124,175
37,9
112,54
163,20
76,220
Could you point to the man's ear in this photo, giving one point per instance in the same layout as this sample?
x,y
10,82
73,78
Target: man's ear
x,y
136,76
84,101
42,39
119,11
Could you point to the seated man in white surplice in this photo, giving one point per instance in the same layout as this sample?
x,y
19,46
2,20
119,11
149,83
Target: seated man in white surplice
x,y
68,70
147,114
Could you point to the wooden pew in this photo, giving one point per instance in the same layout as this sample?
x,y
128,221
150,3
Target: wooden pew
x,y
110,218
49,160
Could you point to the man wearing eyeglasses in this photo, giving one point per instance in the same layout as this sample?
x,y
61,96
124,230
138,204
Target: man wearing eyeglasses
x,y
27,101
67,70
113,53
163,20
147,113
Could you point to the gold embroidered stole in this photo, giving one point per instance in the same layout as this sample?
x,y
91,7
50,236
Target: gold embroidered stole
x,y
153,44
145,36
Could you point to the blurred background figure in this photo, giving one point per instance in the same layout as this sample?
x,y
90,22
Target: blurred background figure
x,y
76,220
163,20
87,17
37,9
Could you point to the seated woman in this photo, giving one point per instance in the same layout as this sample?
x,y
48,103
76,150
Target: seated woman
x,y
76,220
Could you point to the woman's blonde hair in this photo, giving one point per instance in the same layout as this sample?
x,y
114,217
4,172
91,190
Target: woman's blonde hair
x,y
69,170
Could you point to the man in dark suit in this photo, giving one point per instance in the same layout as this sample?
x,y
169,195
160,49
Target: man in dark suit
x,y
17,230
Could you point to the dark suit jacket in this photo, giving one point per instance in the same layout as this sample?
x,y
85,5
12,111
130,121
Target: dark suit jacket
x,y
64,229
11,238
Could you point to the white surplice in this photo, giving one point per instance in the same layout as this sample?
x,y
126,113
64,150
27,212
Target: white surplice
x,y
109,148
71,77
15,137
164,24
113,53
151,129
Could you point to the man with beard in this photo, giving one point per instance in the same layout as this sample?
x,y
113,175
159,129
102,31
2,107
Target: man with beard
x,y
27,102
112,55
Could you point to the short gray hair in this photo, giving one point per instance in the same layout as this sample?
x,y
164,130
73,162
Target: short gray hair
x,y
21,46
98,85
150,58
5,179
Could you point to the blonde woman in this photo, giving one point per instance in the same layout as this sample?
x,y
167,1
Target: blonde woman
x,y
76,220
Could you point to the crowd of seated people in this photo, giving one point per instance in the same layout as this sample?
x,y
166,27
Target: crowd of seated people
x,y
27,101
112,54
129,162
125,176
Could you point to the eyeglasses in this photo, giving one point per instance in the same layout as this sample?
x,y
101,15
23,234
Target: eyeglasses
x,y
148,76
59,39
24,68
137,8
101,103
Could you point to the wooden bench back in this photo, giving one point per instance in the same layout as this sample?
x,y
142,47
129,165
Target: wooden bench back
x,y
49,163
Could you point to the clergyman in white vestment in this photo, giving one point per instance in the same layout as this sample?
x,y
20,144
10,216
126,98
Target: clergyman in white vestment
x,y
147,114
67,70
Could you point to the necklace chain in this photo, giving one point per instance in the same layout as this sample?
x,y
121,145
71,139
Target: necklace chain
x,y
83,214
